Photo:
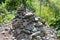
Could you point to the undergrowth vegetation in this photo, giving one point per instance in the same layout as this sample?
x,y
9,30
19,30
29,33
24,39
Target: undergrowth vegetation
x,y
48,10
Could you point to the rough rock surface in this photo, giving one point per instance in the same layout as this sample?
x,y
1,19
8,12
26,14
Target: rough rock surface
x,y
26,26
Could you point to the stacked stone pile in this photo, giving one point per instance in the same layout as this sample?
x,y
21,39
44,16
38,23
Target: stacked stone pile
x,y
26,26
5,31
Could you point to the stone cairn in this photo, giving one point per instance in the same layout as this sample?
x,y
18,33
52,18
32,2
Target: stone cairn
x,y
26,26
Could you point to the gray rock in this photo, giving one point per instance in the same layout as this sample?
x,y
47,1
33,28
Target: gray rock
x,y
35,29
18,31
24,39
26,31
36,19
29,27
25,23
